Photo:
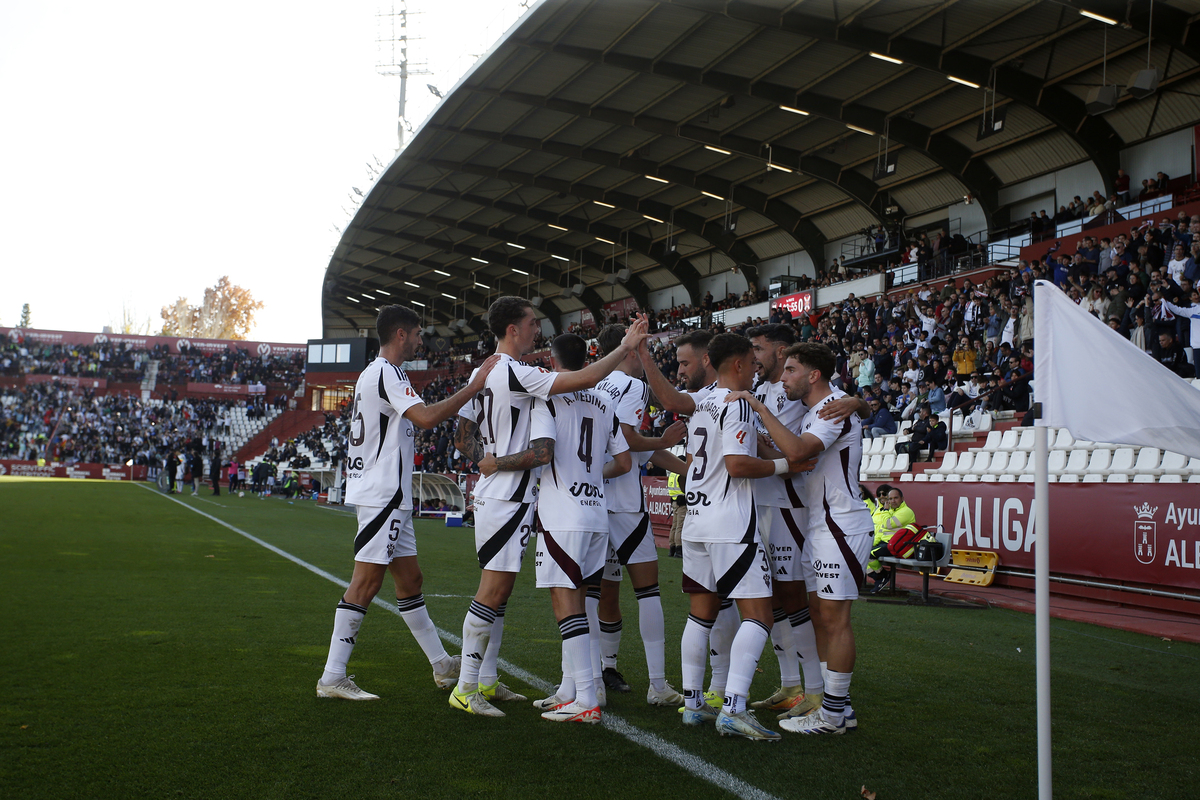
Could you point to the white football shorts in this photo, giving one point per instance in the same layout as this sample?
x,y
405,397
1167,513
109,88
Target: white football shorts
x,y
631,541
570,559
834,566
735,570
502,531
780,531
384,534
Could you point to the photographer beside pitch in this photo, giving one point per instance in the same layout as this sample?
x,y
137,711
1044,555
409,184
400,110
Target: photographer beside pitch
x,y
838,528
379,485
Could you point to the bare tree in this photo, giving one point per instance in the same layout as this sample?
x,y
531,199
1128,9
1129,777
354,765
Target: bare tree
x,y
227,312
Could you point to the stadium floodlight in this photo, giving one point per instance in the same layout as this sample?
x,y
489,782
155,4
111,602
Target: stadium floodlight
x,y
480,260
352,299
792,110
417,303
963,82
710,194
557,227
889,59
413,285
519,271
606,241
779,167
452,297
382,292
514,244
656,179
368,296
860,130
653,219
443,274
720,150
606,205
560,258
484,285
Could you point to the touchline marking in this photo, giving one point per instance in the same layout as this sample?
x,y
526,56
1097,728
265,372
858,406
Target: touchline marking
x,y
656,744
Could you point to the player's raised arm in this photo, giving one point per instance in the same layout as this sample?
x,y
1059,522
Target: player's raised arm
x,y
427,417
592,374
672,399
639,443
838,410
539,453
669,461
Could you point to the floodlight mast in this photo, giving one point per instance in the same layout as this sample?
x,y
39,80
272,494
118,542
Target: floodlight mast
x,y
391,45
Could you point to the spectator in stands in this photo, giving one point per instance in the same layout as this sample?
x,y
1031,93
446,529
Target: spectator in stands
x,y
881,422
1121,184
1181,263
928,433
1168,351
935,395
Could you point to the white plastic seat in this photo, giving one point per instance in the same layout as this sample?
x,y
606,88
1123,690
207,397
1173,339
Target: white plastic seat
x,y
954,477
1171,479
901,465
993,442
1099,461
1016,462
1063,441
919,477
906,477
965,462
1093,477
1118,477
1077,462
1122,460
936,477
999,463
1056,463
1028,478
874,446
1068,477
971,478
1194,479
1143,478
980,464
1008,439
949,462
1193,466
874,464
1147,461
1026,440
1008,479
888,463
988,478
888,445
1174,463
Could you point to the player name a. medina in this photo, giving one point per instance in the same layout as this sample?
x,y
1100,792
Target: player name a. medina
x,y
588,397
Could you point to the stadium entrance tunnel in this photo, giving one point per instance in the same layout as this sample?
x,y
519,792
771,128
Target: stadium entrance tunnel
x,y
441,490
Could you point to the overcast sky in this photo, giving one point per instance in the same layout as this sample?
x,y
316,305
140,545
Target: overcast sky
x,y
147,149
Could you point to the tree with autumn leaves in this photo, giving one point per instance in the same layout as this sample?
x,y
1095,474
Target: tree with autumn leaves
x,y
227,312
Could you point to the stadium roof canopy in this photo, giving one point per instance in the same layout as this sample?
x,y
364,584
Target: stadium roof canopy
x,y
681,138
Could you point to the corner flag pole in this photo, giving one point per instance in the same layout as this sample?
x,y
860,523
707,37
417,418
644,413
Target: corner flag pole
x,y
1041,515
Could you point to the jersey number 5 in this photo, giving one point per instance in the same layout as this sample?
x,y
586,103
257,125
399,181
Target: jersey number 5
x,y
357,438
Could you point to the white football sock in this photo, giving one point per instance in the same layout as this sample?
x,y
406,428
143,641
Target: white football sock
x,y
346,622
747,649
477,629
415,614
610,643
591,603
723,631
837,687
804,636
654,636
577,657
566,687
489,671
782,642
693,654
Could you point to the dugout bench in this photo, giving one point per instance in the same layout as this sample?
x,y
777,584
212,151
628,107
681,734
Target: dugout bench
x,y
923,567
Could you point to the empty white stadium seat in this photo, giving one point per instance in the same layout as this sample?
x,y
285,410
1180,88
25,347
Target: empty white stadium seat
x,y
1016,462
1027,478
1093,477
954,477
980,464
949,462
873,446
1171,479
919,477
1147,461
1122,460
1008,439
1174,463
1063,441
1068,477
1057,462
1144,478
1008,479
965,462
993,442
1118,477
936,477
874,464
1026,440
988,478
1077,462
889,462
906,477
1100,459
999,463
901,464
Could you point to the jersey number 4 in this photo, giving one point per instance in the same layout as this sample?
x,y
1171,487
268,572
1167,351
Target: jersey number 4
x,y
585,442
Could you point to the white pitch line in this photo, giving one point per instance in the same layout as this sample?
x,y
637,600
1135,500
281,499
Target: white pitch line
x,y
656,744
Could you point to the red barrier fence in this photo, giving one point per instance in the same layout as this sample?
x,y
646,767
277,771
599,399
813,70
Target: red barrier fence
x,y
32,336
106,472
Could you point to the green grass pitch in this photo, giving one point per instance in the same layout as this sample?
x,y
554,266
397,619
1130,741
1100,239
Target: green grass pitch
x,y
150,652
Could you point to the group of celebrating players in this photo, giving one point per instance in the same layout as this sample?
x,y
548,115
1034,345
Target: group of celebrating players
x,y
775,538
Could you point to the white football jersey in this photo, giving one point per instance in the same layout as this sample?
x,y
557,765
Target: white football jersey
x,y
502,410
780,491
720,506
584,428
630,397
699,395
832,502
379,461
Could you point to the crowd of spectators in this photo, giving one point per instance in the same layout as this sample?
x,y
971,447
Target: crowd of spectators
x,y
113,362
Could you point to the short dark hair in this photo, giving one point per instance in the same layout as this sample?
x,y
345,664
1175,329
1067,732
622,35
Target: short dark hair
x,y
570,350
609,338
814,356
777,333
897,490
698,340
723,346
393,318
506,311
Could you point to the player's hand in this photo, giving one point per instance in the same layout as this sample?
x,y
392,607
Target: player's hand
x,y
487,465
674,434
839,410
636,334
802,466
765,446
751,399
481,374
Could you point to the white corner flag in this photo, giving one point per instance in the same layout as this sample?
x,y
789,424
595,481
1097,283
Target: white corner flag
x,y
1097,384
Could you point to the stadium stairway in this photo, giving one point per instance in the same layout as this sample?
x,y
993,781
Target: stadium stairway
x,y
288,424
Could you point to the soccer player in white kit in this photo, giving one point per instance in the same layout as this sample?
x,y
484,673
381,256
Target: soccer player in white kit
x,y
781,525
571,549
379,484
493,431
723,555
631,538
838,526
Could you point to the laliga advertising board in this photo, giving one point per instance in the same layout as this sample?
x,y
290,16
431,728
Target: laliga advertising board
x,y
1138,532
103,472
